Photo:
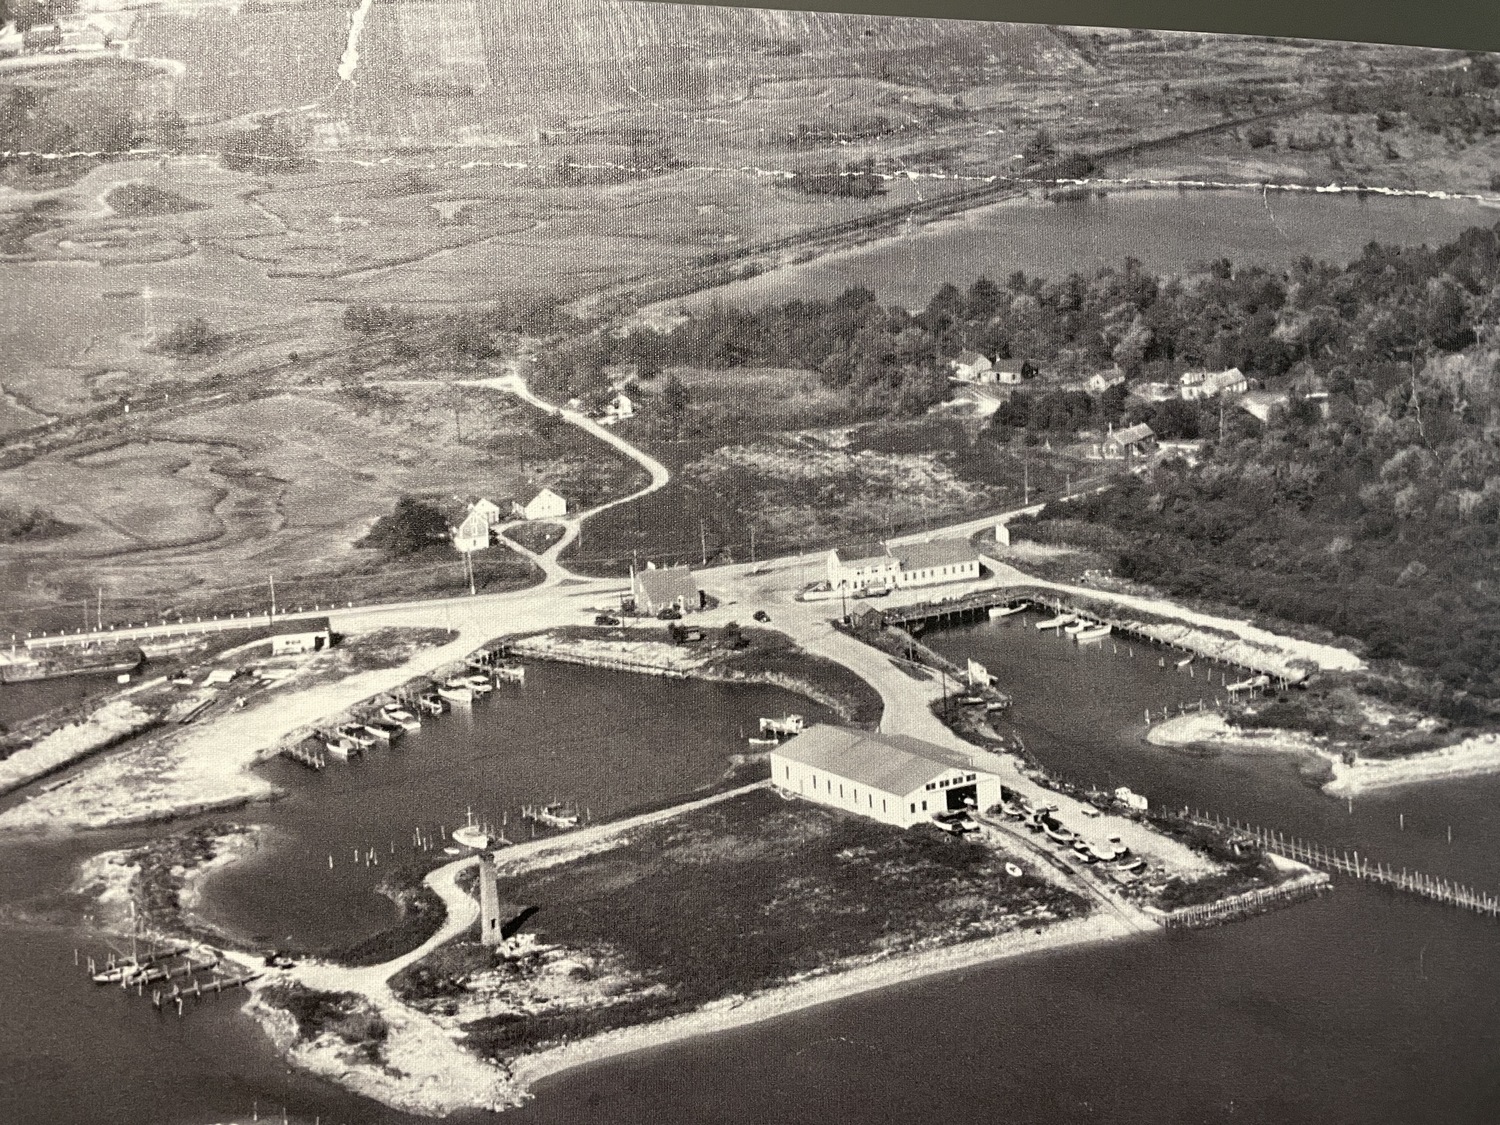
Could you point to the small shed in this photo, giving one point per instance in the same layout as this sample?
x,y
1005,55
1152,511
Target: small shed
x,y
303,634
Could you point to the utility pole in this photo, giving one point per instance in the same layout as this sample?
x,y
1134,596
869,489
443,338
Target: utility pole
x,y
273,595
469,567
752,544
99,611
1025,484
703,541
1221,421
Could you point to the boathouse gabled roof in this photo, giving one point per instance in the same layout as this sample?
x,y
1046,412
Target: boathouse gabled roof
x,y
297,626
854,552
939,552
892,763
1133,435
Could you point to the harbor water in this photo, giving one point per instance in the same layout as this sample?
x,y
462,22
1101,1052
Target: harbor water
x,y
1363,1006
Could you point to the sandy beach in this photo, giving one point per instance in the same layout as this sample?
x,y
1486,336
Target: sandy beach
x,y
740,1011
1469,758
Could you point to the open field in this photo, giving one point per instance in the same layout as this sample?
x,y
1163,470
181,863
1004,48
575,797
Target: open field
x,y
192,514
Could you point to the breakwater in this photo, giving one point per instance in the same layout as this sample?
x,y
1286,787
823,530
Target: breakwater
x,y
1349,862
1248,903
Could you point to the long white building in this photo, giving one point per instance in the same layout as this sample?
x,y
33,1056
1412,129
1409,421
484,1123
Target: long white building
x,y
877,566
890,778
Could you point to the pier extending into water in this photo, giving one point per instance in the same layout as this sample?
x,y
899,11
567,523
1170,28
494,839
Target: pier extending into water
x,y
1349,862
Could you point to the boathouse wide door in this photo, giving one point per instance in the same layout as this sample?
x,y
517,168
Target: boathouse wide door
x,y
960,796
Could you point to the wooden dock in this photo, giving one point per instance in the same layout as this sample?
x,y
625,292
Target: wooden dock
x,y
304,754
1348,862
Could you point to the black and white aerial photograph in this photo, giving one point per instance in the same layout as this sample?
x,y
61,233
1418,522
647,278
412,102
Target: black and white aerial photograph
x,y
624,563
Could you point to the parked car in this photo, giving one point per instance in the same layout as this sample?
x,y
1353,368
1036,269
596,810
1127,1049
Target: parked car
x,y
761,615
670,613
606,619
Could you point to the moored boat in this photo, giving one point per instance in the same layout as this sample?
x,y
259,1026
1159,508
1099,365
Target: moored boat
x,y
999,611
355,733
341,748
385,732
1092,633
557,815
1185,661
1057,622
1013,870
461,694
471,835
401,717
481,684
431,703
1077,625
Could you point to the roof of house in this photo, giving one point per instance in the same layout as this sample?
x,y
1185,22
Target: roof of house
x,y
1130,435
298,626
854,551
544,493
475,523
1224,378
939,552
892,763
970,358
666,584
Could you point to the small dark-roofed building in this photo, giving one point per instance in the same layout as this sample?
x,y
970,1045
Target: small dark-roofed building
x,y
659,588
894,779
303,634
1132,440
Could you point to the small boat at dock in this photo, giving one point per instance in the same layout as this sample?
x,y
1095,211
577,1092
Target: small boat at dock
x,y
1057,622
560,815
401,717
1092,633
341,748
471,835
480,684
385,732
511,673
461,694
432,704
1185,661
787,725
355,733
1077,625
999,611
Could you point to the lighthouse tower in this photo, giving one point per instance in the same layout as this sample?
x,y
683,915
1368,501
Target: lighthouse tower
x,y
490,926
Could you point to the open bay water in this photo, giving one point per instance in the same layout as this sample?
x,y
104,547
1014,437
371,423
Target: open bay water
x,y
1167,230
1363,1006
77,1054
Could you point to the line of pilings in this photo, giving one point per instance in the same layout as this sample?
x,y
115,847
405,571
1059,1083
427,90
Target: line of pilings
x,y
1246,904
1346,861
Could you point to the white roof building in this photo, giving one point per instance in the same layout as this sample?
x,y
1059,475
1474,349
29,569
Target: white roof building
x,y
473,534
890,778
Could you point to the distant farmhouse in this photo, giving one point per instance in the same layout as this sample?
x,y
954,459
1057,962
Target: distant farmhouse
x,y
1098,384
473,532
1259,404
617,409
1131,441
311,634
876,566
672,587
545,505
890,778
970,366
1196,385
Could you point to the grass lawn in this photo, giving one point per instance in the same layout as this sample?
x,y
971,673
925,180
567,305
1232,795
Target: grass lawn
x,y
741,896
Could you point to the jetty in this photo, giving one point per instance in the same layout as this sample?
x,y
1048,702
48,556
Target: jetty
x,y
1349,862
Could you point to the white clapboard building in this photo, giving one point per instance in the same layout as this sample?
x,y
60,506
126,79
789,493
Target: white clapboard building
x,y
887,777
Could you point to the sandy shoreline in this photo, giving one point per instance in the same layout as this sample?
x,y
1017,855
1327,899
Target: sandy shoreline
x,y
735,1012
1470,758
1473,757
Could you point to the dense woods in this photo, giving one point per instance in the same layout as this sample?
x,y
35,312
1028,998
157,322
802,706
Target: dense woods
x,y
1375,513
